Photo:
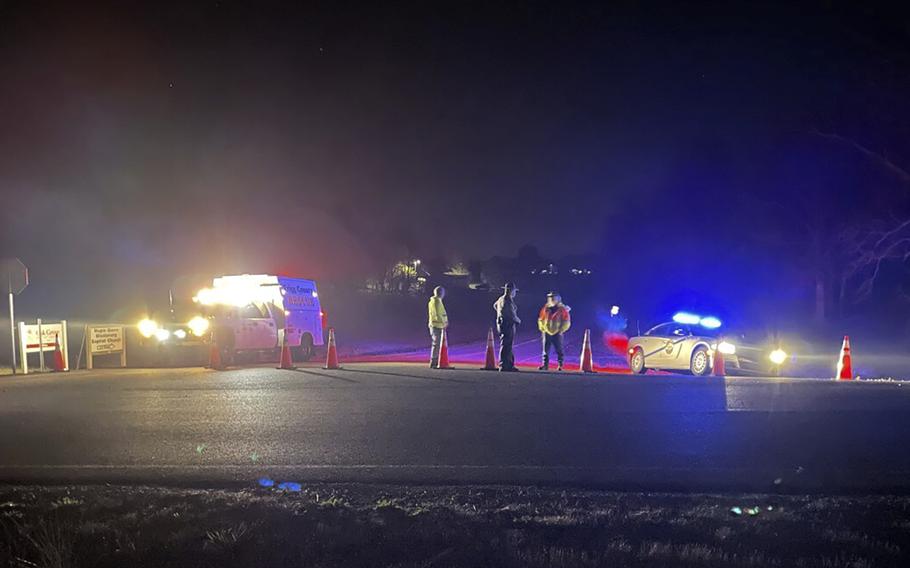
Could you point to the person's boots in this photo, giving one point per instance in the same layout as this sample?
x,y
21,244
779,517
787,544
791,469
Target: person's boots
x,y
545,366
559,367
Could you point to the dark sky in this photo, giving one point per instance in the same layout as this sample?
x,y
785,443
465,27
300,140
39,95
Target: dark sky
x,y
143,143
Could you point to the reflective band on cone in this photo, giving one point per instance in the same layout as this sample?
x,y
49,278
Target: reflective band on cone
x,y
286,361
59,364
587,357
331,358
444,352
845,362
720,367
490,363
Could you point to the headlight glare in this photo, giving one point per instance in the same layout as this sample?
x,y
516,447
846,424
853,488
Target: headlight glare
x,y
198,325
162,334
778,356
726,348
147,327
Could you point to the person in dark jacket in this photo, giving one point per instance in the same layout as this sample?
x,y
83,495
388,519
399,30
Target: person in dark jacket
x,y
507,321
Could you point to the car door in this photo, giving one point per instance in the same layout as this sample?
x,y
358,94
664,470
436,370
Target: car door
x,y
257,329
654,344
677,347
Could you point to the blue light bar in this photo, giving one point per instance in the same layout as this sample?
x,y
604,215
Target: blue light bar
x,y
686,318
710,322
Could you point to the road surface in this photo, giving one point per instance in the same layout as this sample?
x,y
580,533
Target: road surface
x,y
405,423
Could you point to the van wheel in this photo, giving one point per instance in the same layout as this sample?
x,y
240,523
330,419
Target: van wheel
x,y
306,350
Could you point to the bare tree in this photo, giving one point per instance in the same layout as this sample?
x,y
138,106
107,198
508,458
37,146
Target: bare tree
x,y
866,247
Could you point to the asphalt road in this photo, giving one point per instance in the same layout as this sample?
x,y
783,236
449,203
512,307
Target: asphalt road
x,y
409,424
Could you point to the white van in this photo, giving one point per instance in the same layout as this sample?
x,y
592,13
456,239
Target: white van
x,y
251,312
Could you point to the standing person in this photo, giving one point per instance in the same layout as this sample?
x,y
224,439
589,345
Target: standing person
x,y
439,320
553,322
507,321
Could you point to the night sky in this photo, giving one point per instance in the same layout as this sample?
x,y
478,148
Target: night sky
x,y
141,144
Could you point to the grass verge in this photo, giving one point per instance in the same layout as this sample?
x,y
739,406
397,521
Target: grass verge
x,y
365,525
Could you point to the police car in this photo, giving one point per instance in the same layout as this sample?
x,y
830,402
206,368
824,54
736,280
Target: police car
x,y
691,343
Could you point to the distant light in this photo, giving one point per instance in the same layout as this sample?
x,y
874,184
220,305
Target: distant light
x,y
726,348
147,327
710,322
778,356
198,325
614,311
180,334
686,318
315,295
162,334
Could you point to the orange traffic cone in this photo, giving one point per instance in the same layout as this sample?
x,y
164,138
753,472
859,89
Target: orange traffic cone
x,y
845,362
215,361
720,367
331,359
59,363
444,352
490,364
587,358
286,361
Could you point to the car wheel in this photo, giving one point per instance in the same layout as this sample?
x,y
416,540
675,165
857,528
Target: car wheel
x,y
700,364
637,361
306,350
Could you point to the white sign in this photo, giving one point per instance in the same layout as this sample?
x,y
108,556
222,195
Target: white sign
x,y
50,332
41,337
106,339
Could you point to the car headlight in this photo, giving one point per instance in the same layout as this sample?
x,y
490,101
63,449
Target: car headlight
x,y
726,348
180,334
198,325
162,334
778,356
147,327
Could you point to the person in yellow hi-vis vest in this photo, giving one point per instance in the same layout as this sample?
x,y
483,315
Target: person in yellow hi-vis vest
x,y
439,320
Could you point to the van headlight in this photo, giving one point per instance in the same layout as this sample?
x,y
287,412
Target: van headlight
x,y
147,327
162,334
198,325
778,356
726,348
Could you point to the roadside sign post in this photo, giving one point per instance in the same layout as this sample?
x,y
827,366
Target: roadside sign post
x,y
12,330
15,275
40,347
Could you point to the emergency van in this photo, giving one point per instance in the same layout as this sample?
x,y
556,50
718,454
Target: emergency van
x,y
255,312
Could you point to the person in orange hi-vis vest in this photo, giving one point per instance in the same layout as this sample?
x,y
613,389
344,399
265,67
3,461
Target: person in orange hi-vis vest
x,y
553,322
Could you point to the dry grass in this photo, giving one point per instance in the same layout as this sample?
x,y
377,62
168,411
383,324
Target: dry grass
x,y
355,526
